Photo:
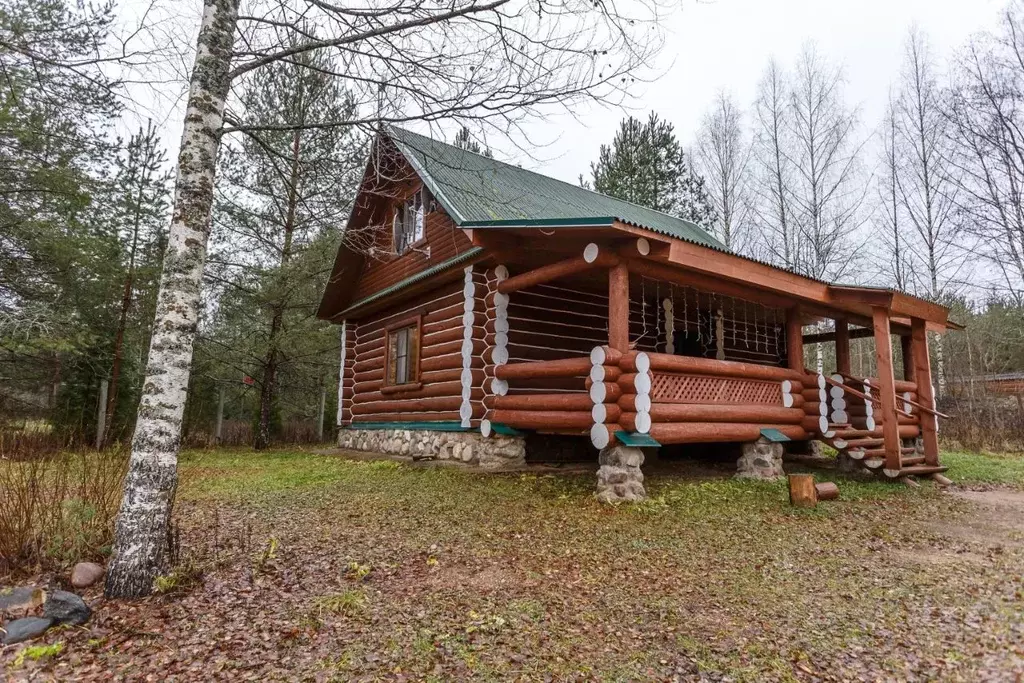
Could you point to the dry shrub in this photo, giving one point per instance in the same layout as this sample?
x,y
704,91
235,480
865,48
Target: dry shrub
x,y
58,508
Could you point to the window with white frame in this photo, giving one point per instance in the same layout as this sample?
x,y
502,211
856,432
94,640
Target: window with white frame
x,y
409,222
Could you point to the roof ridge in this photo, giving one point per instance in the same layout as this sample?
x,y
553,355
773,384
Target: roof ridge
x,y
406,131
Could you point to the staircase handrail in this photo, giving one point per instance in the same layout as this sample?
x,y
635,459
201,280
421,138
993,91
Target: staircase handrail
x,y
930,411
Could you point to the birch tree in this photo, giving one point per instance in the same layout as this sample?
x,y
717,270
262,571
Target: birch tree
x,y
987,119
722,155
888,219
406,61
928,183
827,190
772,169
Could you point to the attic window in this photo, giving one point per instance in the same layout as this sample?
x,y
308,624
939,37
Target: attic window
x,y
410,220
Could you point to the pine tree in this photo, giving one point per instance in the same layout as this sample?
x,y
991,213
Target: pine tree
x,y
282,198
464,140
138,208
646,165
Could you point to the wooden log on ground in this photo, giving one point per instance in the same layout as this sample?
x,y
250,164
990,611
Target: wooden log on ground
x,y
942,480
827,490
802,493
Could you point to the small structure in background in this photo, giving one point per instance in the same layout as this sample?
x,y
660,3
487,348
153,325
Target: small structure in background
x,y
492,308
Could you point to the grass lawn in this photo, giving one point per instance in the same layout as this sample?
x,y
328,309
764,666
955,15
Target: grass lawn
x,y
324,568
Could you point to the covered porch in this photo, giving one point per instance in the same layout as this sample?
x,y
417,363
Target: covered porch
x,y
688,344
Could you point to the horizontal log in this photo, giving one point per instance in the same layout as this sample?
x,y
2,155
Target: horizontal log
x,y
565,367
410,405
425,391
539,419
690,412
476,376
446,348
558,402
664,362
449,361
694,432
425,416
553,271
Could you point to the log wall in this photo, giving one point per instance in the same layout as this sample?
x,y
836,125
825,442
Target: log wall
x,y
444,239
451,365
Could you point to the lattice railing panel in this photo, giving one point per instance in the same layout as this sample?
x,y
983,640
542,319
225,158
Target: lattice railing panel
x,y
675,388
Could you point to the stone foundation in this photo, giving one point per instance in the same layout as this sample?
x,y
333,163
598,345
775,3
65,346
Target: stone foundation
x,y
761,459
468,447
619,479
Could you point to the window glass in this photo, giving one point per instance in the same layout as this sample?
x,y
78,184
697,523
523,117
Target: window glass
x,y
403,355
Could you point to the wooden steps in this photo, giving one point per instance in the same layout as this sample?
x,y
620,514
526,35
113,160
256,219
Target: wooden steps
x,y
918,470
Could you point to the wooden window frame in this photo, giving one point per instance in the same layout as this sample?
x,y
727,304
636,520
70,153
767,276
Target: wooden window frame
x,y
425,199
409,321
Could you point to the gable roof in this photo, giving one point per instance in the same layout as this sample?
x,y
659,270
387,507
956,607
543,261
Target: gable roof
x,y
478,192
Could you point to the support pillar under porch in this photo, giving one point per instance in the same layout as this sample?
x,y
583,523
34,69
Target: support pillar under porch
x,y
619,479
761,459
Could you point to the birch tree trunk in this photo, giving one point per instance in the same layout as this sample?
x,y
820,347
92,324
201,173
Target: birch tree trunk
x,y
143,524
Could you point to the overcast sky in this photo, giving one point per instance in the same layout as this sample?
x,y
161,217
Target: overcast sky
x,y
711,45
725,44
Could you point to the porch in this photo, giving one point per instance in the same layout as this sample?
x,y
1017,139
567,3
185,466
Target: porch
x,y
700,351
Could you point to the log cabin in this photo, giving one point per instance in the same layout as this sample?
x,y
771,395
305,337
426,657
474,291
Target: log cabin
x,y
488,313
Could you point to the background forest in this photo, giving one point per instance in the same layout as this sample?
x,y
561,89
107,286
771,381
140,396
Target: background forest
x,y
928,200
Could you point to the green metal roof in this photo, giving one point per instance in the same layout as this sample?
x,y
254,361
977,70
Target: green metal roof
x,y
480,192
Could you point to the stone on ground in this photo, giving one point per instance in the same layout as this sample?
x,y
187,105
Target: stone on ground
x,y
86,574
27,628
67,608
761,459
619,479
20,601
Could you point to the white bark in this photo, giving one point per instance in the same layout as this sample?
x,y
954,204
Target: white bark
x,y
143,524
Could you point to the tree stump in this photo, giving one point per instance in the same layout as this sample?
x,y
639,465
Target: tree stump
x,y
802,493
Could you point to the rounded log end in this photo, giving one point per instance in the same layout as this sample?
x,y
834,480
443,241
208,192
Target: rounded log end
x,y
821,382
823,424
590,252
856,453
787,386
643,362
787,400
501,272
499,387
892,474
869,424
874,463
643,246
597,373
643,422
598,392
599,436
598,355
599,413
485,428
642,403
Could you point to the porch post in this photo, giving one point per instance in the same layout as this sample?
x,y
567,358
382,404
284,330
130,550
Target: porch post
x,y
794,340
842,346
907,350
618,307
925,394
886,389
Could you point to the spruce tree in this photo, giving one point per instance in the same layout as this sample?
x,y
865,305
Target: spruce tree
x,y
646,165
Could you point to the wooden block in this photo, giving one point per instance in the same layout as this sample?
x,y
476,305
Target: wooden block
x,y
827,490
